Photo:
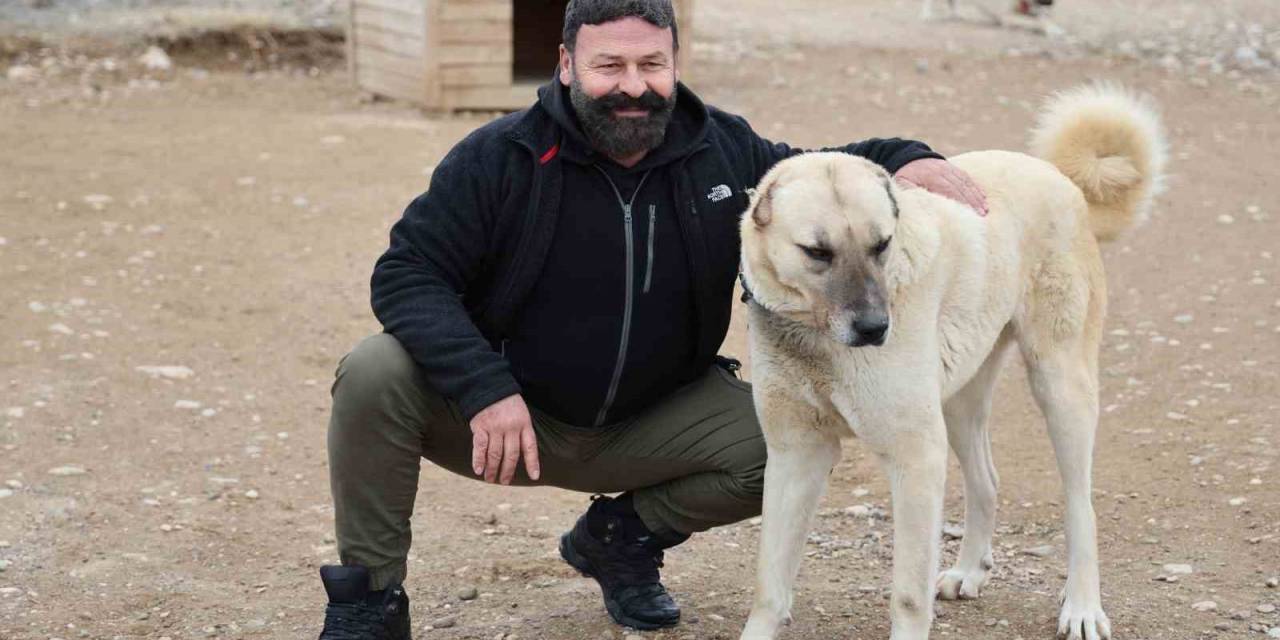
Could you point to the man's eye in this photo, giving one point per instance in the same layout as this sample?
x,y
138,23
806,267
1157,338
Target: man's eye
x,y
882,246
820,254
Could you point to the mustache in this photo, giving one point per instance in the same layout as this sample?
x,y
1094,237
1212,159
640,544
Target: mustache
x,y
648,101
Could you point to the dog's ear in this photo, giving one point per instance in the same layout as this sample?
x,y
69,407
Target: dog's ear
x,y
888,189
761,210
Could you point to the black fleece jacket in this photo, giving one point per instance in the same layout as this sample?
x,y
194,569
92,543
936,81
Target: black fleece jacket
x,y
467,255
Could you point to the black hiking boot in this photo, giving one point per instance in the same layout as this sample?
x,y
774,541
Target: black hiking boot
x,y
355,613
611,544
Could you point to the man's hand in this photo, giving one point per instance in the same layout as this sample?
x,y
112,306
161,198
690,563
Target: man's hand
x,y
500,433
945,179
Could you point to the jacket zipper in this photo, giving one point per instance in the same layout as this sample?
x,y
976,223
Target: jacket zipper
x,y
648,269
630,295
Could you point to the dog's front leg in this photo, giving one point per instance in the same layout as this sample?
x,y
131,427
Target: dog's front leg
x,y
916,463
800,458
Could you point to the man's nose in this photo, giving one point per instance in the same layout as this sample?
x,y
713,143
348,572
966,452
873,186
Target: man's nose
x,y
632,83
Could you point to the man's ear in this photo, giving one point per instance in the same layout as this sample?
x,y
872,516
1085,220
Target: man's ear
x,y
566,66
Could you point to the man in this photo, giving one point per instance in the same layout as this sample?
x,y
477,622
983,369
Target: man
x,y
558,296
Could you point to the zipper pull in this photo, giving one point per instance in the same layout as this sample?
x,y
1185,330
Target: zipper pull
x,y
626,212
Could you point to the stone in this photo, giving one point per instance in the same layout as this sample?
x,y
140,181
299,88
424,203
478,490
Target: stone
x,y
1043,551
1205,606
172,372
68,470
858,511
952,531
1266,608
1178,569
22,73
98,201
1273,583
468,593
445,622
155,59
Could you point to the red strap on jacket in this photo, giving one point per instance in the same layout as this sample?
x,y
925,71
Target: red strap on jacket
x,y
551,153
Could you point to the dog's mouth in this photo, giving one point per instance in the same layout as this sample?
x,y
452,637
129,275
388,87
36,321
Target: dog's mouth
x,y
861,342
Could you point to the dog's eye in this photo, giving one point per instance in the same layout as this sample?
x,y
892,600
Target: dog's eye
x,y
817,253
880,248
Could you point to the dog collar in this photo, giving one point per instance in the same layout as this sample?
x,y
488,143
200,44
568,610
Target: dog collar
x,y
747,296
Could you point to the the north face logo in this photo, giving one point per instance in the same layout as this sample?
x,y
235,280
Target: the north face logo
x,y
719,192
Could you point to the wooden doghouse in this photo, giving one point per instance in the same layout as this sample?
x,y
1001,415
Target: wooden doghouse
x,y
461,54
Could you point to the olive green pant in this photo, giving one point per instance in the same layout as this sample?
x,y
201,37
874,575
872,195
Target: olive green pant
x,y
693,461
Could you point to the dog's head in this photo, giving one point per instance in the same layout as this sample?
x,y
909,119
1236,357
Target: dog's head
x,y
815,240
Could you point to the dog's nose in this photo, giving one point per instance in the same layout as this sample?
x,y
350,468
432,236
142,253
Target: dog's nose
x,y
871,328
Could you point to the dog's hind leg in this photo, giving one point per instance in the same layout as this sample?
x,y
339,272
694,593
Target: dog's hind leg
x,y
801,457
1061,353
967,413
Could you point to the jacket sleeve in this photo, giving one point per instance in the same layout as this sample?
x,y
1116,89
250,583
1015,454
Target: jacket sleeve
x,y
890,153
437,249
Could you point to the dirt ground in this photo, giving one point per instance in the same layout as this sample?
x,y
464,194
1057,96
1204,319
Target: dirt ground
x,y
227,222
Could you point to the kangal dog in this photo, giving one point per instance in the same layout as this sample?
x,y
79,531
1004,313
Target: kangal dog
x,y
836,256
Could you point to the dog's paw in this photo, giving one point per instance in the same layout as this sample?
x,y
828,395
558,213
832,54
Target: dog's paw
x,y
763,625
959,584
1081,620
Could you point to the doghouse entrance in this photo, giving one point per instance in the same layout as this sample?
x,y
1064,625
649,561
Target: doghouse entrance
x,y
535,38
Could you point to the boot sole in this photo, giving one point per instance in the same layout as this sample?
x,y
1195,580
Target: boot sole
x,y
584,566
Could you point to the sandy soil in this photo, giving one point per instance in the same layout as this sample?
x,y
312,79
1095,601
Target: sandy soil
x,y
227,223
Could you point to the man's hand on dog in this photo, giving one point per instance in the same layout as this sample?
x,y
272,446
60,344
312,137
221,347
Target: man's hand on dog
x,y
945,179
500,434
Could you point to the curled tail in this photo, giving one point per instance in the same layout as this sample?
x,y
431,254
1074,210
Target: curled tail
x,y
1110,143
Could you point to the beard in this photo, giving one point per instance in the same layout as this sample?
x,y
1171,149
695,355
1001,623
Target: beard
x,y
619,137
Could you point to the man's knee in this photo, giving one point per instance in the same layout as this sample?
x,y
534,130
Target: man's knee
x,y
748,474
377,365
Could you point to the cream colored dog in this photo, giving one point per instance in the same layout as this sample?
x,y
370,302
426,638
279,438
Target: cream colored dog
x,y
837,256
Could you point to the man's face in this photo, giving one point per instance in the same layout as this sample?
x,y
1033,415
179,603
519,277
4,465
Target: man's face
x,y
622,80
